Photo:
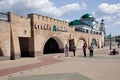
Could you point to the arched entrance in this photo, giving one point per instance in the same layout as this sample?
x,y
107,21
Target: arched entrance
x,y
52,46
80,43
94,42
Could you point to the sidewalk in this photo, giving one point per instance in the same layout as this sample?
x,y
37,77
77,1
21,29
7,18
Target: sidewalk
x,y
99,67
13,67
18,62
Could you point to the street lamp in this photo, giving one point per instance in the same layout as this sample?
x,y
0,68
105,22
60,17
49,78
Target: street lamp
x,y
110,40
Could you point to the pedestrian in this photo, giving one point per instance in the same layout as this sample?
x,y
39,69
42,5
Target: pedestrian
x,y
91,50
118,44
66,50
84,49
73,49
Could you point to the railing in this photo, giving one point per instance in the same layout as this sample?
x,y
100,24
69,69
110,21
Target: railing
x,y
3,16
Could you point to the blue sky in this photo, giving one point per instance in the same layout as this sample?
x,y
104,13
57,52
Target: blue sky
x,y
69,10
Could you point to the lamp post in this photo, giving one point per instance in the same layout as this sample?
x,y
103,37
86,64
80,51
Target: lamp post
x,y
110,41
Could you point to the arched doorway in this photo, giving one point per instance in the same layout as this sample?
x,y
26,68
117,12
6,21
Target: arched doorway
x,y
80,43
71,43
51,46
94,42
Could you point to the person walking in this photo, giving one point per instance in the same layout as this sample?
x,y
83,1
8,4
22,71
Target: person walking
x,y
73,49
66,50
91,50
118,44
84,49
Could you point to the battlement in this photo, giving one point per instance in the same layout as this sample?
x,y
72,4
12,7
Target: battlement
x,y
13,17
36,35
47,19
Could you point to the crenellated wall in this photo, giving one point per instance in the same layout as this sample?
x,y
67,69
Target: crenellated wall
x,y
27,37
42,30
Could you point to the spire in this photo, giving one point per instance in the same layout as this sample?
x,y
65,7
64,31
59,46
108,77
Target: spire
x,y
102,21
102,26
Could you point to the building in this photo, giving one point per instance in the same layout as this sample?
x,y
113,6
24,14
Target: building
x,y
88,24
37,35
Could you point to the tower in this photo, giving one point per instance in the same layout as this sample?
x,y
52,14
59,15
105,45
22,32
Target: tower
x,y
102,26
102,29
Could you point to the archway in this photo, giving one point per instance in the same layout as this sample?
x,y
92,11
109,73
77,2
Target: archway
x,y
52,46
94,42
80,43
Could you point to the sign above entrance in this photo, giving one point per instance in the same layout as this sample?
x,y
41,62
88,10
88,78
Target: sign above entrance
x,y
54,28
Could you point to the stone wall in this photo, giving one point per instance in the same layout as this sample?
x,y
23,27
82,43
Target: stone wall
x,y
32,33
42,30
4,39
20,27
88,38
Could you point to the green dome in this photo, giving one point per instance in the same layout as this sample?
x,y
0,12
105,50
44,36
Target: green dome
x,y
87,16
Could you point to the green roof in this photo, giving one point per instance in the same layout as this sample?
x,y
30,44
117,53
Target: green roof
x,y
76,22
87,16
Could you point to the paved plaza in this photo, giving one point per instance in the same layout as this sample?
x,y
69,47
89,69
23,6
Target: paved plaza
x,y
57,67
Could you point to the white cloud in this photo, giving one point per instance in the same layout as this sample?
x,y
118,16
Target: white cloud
x,y
107,18
118,23
106,9
84,5
109,12
109,9
114,17
118,14
24,7
111,15
67,20
93,13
